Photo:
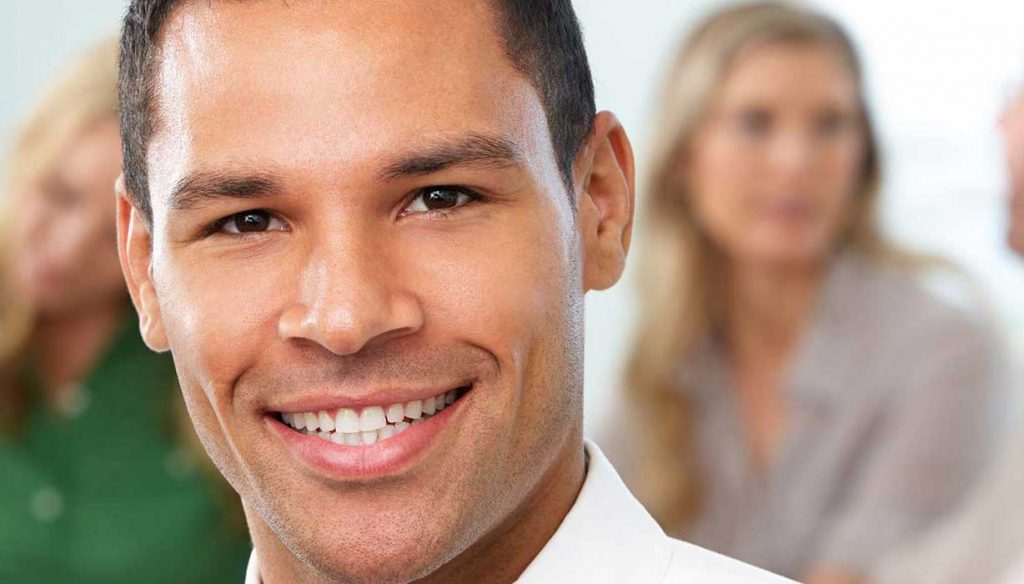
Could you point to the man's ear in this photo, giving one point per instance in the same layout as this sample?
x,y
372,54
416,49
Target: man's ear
x,y
135,248
606,202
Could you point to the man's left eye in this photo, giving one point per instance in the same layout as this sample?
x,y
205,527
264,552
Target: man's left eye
x,y
439,199
255,221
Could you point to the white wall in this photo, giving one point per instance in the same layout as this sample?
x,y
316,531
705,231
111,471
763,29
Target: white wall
x,y
36,37
937,75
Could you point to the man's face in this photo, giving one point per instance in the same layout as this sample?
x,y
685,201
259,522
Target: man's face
x,y
357,205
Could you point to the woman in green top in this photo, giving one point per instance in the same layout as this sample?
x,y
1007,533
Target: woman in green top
x,y
99,482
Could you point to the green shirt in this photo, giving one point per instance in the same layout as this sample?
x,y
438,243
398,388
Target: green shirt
x,y
108,492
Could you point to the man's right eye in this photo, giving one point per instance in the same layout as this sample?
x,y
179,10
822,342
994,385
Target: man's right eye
x,y
257,221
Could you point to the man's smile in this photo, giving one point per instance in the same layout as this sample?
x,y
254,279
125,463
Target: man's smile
x,y
366,441
371,424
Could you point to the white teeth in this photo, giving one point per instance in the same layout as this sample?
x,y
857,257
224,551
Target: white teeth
x,y
326,422
370,425
372,419
312,421
396,413
347,421
414,409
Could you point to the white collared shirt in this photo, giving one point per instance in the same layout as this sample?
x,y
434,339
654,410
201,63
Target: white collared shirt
x,y
609,537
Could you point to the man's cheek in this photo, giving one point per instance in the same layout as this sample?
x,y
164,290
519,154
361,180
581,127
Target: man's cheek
x,y
217,322
501,289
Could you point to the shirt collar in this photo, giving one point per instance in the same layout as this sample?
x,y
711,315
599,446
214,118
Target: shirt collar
x,y
607,536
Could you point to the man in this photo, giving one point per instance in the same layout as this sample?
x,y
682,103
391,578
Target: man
x,y
364,230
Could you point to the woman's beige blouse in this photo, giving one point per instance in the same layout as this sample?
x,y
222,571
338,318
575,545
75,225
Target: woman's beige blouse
x,y
889,401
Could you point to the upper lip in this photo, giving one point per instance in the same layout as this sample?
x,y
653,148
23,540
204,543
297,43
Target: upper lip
x,y
326,402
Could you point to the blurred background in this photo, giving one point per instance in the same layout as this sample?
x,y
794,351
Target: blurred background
x,y
937,78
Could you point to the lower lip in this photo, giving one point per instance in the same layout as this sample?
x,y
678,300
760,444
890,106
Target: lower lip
x,y
351,463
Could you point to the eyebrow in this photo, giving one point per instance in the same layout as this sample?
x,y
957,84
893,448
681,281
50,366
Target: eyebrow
x,y
205,186
468,150
202,187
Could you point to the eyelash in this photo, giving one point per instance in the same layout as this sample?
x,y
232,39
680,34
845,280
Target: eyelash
x,y
472,197
217,227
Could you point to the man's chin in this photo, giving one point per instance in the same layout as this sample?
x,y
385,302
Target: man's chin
x,y
382,534
400,545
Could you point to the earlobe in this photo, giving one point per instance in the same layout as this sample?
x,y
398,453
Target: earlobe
x,y
606,203
135,247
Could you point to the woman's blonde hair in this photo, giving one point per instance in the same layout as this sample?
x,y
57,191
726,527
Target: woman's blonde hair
x,y
84,93
680,280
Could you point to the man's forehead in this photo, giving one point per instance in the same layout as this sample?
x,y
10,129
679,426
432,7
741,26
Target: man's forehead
x,y
206,34
308,80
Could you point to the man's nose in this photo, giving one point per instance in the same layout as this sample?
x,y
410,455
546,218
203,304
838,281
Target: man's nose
x,y
350,297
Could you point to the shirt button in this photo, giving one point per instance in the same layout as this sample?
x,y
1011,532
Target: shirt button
x,y
47,504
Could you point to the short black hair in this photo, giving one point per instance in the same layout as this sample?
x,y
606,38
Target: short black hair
x,y
542,39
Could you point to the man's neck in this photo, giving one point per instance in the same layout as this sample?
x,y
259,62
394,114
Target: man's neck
x,y
507,551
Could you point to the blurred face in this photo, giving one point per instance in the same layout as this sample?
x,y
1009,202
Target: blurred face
x,y
1013,128
774,170
65,239
367,268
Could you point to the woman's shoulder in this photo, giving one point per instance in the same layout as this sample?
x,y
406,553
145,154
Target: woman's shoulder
x,y
909,300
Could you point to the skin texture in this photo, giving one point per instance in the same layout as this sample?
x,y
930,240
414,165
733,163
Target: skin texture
x,y
1012,123
355,289
773,174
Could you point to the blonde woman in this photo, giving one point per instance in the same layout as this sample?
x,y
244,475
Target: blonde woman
x,y
97,485
800,401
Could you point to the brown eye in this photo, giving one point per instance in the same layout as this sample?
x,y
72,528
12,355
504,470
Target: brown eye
x,y
252,222
439,199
